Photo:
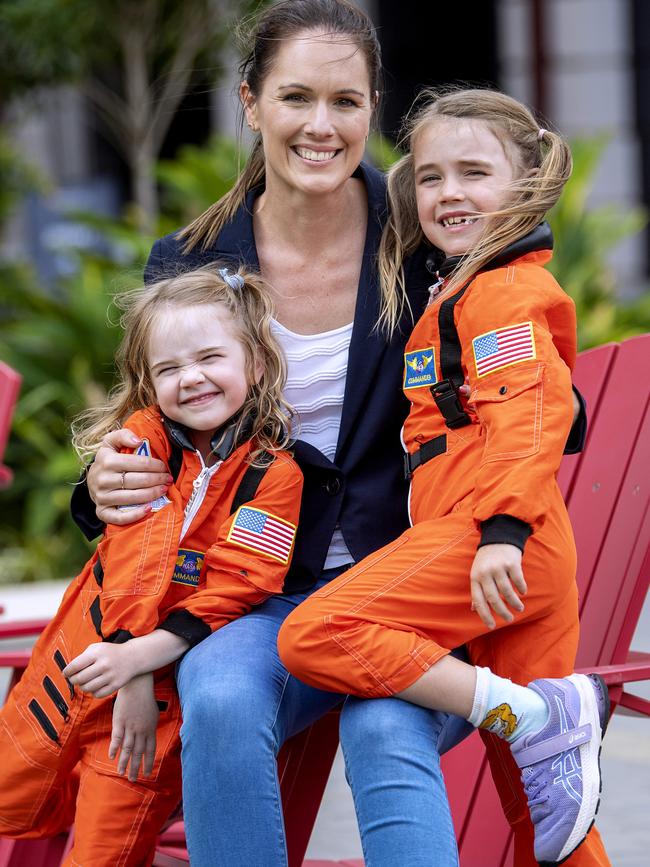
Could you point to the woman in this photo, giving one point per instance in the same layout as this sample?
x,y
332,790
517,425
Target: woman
x,y
309,215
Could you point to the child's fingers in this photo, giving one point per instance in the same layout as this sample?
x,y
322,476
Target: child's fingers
x,y
480,605
98,686
508,593
149,754
79,663
136,757
492,594
117,736
107,688
517,578
125,752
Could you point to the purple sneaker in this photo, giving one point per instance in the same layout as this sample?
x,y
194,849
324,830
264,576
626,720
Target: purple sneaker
x,y
560,764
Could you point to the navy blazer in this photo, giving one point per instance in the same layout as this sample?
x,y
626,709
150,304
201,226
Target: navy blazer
x,y
363,490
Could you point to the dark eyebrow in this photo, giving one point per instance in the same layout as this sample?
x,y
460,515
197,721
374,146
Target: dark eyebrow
x,y
297,86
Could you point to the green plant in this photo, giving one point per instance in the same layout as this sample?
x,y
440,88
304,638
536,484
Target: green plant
x,y
197,177
63,346
584,237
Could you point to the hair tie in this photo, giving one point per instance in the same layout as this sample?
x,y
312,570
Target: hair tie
x,y
235,281
541,132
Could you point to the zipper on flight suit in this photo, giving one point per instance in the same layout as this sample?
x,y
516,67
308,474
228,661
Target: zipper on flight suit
x,y
59,702
44,721
199,489
60,661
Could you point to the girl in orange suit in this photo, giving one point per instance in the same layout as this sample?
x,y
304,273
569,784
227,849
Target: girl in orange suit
x,y
489,560
201,380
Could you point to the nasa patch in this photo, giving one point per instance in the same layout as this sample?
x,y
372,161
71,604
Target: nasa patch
x,y
188,567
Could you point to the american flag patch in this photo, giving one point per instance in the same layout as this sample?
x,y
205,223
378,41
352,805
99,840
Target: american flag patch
x,y
503,347
261,531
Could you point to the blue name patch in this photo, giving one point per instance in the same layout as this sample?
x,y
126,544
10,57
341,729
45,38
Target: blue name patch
x,y
420,368
188,567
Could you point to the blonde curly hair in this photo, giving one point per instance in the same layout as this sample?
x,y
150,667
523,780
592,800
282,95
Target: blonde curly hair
x,y
251,310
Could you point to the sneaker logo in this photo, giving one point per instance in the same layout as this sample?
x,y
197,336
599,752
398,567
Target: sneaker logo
x,y
580,736
567,764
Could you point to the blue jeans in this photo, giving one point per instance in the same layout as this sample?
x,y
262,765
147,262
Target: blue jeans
x,y
240,704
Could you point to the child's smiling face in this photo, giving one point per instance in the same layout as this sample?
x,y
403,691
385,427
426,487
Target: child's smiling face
x,y
461,171
197,364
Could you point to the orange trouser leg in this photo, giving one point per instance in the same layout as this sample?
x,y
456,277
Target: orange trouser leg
x,y
117,821
39,747
375,629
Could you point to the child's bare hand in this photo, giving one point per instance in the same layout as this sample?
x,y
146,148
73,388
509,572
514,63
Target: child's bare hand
x,y
495,578
133,738
101,669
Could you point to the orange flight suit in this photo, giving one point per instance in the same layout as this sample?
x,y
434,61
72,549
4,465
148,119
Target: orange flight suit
x,y
54,738
489,478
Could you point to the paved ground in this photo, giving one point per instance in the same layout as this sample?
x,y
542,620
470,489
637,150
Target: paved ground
x,y
625,808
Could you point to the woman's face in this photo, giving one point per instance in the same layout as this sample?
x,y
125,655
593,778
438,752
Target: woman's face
x,y
313,112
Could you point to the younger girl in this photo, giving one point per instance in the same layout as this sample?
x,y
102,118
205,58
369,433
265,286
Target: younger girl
x,y
480,176
201,378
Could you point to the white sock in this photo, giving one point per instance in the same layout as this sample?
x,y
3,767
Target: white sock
x,y
505,708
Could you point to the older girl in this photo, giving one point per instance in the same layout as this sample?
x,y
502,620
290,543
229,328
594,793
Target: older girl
x,y
480,175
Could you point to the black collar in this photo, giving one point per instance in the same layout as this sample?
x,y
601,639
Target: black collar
x,y
540,238
224,442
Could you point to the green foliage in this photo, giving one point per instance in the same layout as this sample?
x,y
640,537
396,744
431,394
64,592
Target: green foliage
x,y
197,178
63,346
584,237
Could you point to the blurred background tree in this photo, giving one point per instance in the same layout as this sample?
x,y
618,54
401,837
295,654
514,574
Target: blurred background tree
x,y
133,61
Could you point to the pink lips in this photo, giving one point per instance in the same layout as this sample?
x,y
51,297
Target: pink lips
x,y
199,399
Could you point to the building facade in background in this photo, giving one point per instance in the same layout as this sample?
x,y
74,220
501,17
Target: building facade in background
x,y
584,64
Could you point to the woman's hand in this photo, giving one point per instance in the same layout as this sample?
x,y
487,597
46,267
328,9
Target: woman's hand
x,y
101,669
116,479
495,577
135,717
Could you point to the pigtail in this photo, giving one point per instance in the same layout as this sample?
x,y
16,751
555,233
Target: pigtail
x,y
401,236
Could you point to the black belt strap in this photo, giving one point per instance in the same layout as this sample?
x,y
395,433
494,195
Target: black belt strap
x,y
427,451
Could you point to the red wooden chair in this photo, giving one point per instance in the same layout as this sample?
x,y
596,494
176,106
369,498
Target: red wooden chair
x,y
606,488
9,388
609,500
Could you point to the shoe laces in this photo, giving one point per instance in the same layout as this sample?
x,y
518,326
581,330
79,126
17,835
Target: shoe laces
x,y
535,781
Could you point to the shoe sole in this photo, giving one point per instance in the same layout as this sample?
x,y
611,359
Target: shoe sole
x,y
581,682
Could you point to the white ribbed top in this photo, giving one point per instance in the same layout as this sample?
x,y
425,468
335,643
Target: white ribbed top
x,y
316,369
